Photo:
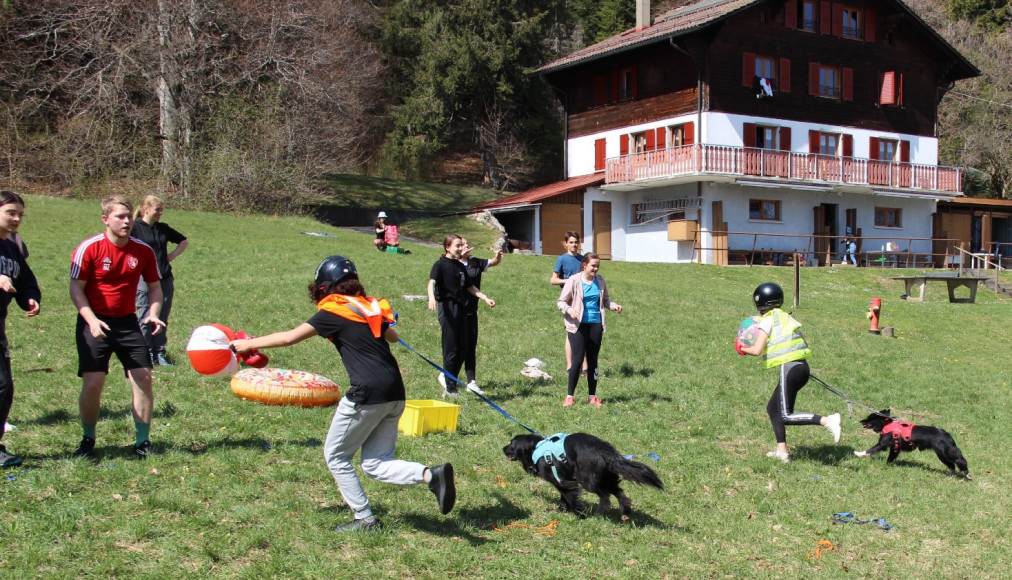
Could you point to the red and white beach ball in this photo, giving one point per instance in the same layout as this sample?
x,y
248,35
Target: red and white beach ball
x,y
209,352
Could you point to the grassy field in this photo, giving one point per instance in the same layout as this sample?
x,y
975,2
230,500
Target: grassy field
x,y
240,490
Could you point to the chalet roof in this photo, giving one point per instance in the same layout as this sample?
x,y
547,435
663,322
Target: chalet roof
x,y
544,192
979,202
693,17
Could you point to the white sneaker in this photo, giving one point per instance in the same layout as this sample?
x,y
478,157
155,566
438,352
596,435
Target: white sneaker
x,y
781,455
8,427
442,380
474,388
833,426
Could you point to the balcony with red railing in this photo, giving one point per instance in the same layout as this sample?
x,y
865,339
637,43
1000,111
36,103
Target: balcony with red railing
x,y
803,168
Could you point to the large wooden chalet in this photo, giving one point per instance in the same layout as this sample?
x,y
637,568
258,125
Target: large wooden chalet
x,y
728,129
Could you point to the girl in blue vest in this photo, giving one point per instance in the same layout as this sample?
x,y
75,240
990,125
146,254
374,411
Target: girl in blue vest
x,y
780,343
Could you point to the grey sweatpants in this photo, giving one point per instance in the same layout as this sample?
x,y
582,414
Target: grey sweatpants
x,y
373,429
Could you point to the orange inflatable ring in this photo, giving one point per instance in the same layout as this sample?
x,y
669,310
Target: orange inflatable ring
x,y
285,387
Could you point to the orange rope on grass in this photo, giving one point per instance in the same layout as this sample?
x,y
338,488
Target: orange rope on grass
x,y
817,552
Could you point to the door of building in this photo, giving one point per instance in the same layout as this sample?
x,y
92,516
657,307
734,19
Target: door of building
x,y
601,220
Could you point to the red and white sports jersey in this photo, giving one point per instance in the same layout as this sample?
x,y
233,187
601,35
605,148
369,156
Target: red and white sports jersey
x,y
113,273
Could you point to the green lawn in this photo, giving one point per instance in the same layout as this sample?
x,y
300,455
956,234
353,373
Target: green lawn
x,y
240,490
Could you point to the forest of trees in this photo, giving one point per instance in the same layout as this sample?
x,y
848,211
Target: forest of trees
x,y
239,104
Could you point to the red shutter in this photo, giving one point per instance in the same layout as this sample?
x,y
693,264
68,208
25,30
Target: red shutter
x,y
747,68
887,95
791,15
662,135
784,82
873,148
825,17
600,90
848,84
599,149
899,89
813,78
814,138
614,86
688,134
632,83
848,145
650,140
623,144
869,25
904,151
785,138
748,135
836,12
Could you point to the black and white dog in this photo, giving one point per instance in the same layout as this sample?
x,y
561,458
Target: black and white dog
x,y
580,459
897,436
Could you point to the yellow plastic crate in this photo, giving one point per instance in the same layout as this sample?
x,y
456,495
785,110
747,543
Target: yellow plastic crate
x,y
421,417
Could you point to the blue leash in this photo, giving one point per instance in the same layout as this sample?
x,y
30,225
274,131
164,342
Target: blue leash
x,y
458,381
849,518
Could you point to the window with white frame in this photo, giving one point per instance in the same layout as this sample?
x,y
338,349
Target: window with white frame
x,y
829,144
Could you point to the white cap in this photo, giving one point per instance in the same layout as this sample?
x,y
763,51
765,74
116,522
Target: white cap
x,y
382,214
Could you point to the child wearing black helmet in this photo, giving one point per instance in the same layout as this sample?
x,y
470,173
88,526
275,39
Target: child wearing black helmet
x,y
360,327
780,343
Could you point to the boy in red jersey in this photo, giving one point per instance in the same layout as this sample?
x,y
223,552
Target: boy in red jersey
x,y
104,273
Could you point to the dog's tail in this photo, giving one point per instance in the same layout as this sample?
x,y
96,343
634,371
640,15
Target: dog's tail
x,y
637,472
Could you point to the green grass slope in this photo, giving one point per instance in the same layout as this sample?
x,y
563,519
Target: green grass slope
x,y
240,490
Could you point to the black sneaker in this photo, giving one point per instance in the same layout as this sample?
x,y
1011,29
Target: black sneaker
x,y
143,450
8,460
357,525
441,484
162,361
86,448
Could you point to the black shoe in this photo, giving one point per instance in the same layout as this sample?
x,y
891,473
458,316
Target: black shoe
x,y
143,450
86,448
161,360
441,484
358,526
8,460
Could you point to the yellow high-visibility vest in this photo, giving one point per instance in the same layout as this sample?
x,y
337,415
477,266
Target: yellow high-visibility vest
x,y
785,342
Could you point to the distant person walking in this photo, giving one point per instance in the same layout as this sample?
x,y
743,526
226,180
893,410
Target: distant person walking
x,y
584,300
104,273
566,266
18,283
448,288
150,229
475,268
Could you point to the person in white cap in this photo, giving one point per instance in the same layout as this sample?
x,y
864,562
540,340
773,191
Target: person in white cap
x,y
380,226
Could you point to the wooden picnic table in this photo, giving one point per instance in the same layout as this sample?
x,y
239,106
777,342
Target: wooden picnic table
x,y
919,281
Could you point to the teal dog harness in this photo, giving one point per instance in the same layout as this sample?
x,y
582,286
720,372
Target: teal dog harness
x,y
553,451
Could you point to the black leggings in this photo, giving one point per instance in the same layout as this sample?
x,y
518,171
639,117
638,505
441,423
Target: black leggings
x,y
793,377
586,341
6,384
455,336
471,353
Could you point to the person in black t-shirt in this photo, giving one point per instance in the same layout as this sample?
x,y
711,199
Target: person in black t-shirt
x,y
475,268
360,327
449,286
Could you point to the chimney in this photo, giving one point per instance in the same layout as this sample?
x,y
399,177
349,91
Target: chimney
x,y
642,14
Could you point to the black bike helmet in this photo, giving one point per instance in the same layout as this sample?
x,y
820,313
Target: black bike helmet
x,y
333,270
768,296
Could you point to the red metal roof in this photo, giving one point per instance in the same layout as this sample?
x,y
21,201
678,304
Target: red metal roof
x,y
543,192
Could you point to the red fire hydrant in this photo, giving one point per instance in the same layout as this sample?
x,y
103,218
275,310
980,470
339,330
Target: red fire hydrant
x,y
873,314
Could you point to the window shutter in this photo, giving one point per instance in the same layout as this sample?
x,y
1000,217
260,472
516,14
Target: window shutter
x,y
748,135
688,134
887,95
848,145
650,140
785,138
784,82
825,17
837,19
813,141
848,84
600,90
905,151
599,154
813,78
747,68
791,14
869,25
623,144
873,148
899,89
662,135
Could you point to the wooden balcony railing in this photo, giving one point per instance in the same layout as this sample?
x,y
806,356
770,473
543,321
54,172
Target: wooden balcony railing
x,y
808,168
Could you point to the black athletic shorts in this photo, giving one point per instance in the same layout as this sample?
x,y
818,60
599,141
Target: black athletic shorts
x,y
124,338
